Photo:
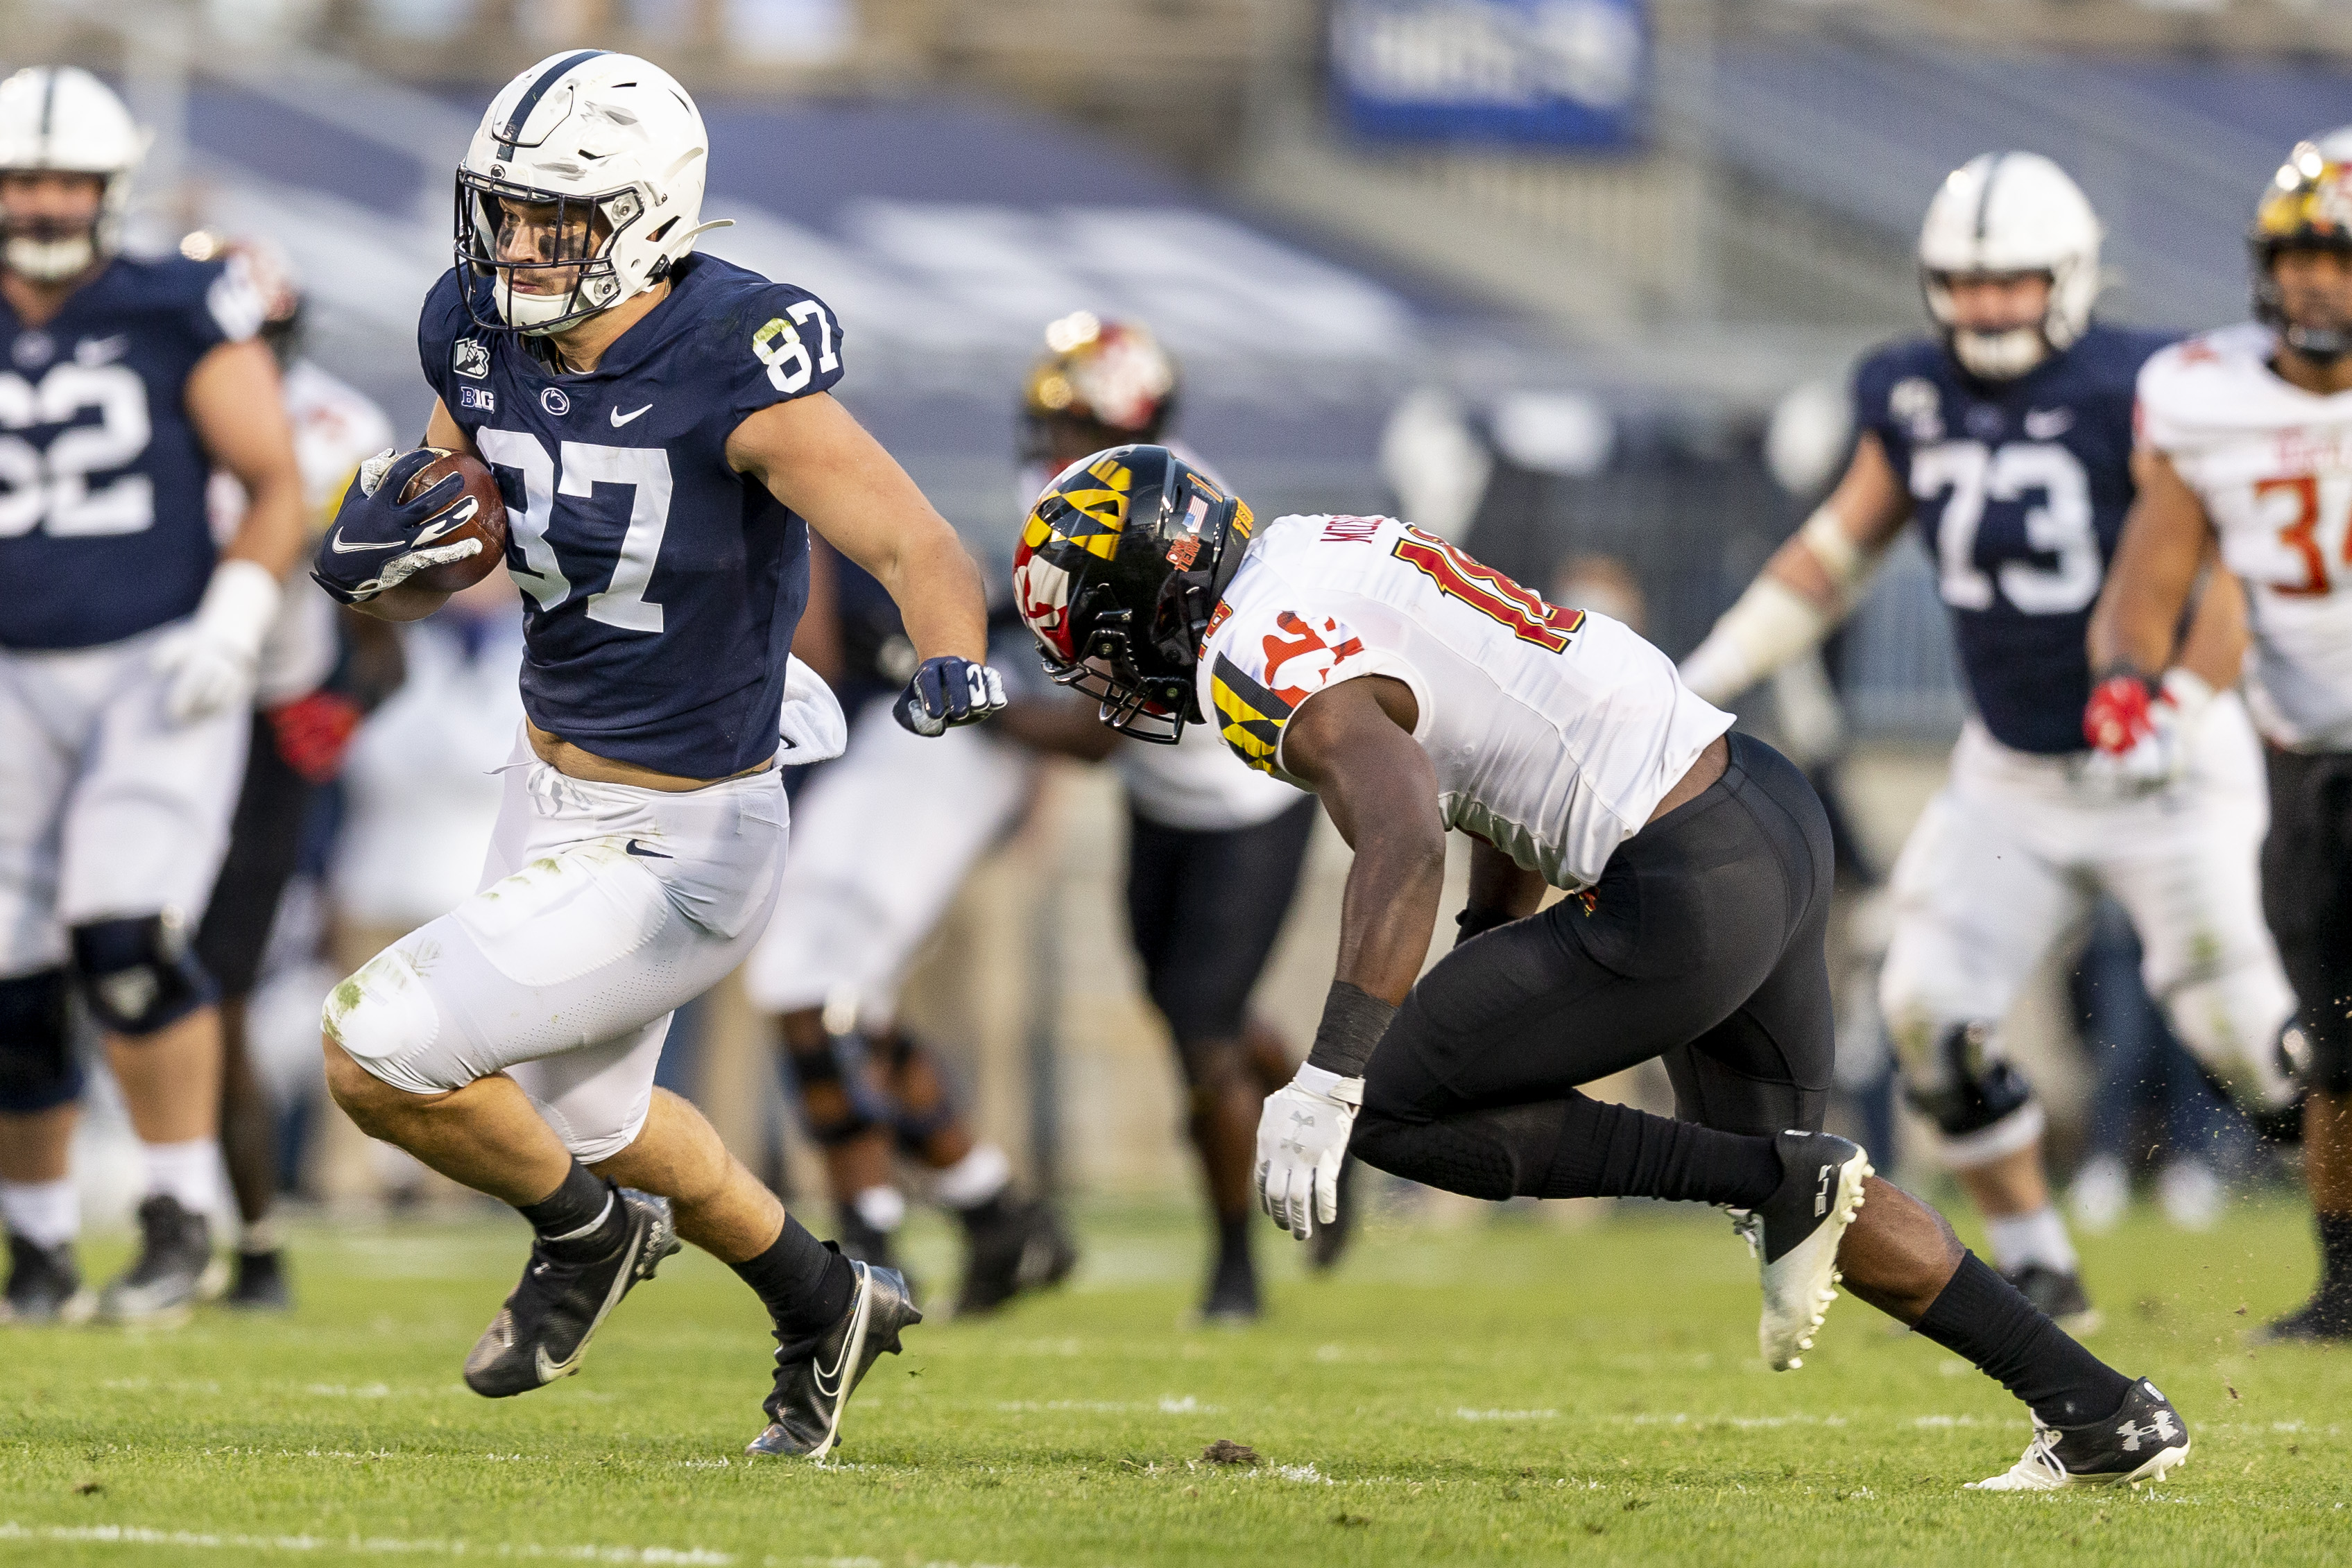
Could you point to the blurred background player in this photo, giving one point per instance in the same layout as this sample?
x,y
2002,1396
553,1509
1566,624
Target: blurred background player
x,y
129,645
2008,436
883,837
1214,850
322,670
2243,445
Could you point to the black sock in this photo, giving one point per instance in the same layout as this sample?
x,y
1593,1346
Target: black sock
x,y
580,1221
2334,1255
1578,1147
1234,1242
1982,1318
1615,1151
804,1283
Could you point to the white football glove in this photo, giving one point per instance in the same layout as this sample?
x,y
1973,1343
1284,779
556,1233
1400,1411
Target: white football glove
x,y
208,663
1302,1137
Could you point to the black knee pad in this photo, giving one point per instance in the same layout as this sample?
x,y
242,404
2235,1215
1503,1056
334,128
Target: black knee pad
x,y
837,1063
38,1069
913,1130
140,975
1976,1091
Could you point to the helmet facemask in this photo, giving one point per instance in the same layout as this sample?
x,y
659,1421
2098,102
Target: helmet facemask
x,y
573,245
1120,567
52,249
2322,343
2006,353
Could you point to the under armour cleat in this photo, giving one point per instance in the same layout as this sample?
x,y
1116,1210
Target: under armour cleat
x,y
543,1330
173,1269
2057,1294
2323,1320
1795,1234
2144,1441
804,1411
259,1284
1028,1248
44,1285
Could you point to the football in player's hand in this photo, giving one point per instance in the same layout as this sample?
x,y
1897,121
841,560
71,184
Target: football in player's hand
x,y
489,523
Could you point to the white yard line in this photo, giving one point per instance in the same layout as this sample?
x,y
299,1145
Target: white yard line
x,y
371,1545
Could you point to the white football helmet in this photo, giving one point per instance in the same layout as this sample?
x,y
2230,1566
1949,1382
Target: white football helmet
x,y
2010,212
63,119
618,147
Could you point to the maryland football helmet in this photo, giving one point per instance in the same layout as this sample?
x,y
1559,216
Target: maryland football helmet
x,y
61,119
1118,569
1110,376
617,148
2011,213
2308,205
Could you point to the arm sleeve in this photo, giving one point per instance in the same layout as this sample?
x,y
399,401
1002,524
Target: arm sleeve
x,y
1263,664
785,343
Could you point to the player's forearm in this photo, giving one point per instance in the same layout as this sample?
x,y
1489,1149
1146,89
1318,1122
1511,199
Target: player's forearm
x,y
1810,585
1389,906
271,534
937,588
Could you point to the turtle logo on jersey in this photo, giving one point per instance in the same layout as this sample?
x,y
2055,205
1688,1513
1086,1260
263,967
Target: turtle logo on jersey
x,y
1299,659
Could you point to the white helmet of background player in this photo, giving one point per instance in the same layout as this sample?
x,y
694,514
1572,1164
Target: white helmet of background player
x,y
2011,213
617,146
63,119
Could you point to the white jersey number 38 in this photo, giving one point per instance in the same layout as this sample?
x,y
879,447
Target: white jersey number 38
x,y
50,488
2058,521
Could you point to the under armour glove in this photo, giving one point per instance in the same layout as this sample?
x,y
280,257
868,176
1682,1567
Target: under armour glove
x,y
949,691
373,545
1302,1140
208,662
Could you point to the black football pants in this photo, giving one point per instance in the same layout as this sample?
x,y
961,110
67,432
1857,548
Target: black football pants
x,y
1700,944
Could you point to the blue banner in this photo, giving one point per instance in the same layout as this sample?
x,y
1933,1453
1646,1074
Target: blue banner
x,y
1565,73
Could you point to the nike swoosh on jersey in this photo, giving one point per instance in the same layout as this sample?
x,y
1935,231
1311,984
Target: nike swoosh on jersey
x,y
620,418
2045,425
92,352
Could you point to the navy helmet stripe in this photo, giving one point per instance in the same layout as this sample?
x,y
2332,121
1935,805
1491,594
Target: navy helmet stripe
x,y
48,109
512,131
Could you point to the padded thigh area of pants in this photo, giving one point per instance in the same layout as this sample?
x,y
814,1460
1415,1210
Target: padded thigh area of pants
x,y
565,916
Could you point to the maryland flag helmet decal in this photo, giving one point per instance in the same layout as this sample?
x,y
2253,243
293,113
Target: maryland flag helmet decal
x,y
1122,560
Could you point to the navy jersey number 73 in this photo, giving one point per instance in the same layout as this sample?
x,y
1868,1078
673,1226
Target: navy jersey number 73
x,y
660,588
2021,489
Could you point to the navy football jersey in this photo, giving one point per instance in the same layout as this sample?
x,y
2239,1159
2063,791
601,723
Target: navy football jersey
x,y
2019,489
660,588
103,530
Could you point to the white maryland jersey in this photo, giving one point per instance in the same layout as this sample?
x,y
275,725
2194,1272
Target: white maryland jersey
x,y
2273,465
336,428
1554,732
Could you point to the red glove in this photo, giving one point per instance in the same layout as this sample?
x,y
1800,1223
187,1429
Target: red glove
x,y
2117,718
313,733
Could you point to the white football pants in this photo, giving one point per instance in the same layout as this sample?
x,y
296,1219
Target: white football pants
x,y
2004,863
108,809
603,908
882,841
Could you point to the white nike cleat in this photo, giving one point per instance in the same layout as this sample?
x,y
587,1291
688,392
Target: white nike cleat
x,y
1795,1234
2144,1441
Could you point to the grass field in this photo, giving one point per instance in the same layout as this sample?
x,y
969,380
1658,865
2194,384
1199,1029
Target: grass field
x,y
1504,1392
